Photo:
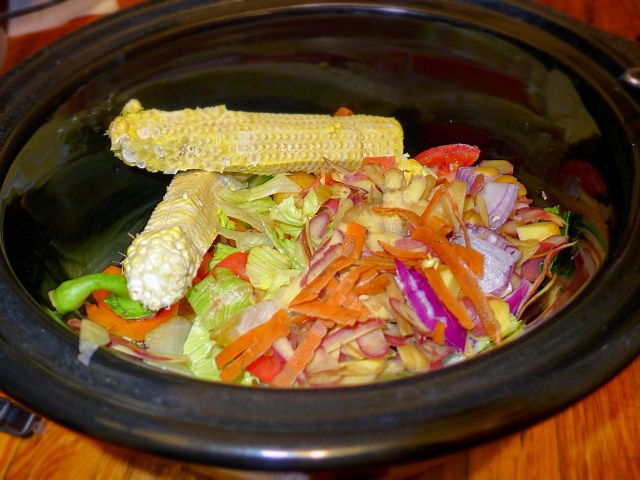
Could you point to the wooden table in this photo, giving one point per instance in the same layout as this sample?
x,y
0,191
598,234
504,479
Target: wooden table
x,y
597,438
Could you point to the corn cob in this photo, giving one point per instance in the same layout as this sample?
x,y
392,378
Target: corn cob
x,y
163,259
218,140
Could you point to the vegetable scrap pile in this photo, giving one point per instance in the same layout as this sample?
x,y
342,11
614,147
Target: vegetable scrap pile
x,y
337,277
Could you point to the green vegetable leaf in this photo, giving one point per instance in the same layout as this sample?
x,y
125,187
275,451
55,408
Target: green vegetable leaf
x,y
218,297
269,270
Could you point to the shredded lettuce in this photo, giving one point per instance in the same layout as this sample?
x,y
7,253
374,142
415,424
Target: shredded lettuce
x,y
269,270
278,184
201,351
292,219
246,240
218,297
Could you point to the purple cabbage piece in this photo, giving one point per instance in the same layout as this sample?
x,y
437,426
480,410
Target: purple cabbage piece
x,y
429,307
500,198
500,258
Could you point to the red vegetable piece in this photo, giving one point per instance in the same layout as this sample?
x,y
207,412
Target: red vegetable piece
x,y
236,262
386,162
449,157
588,176
203,269
266,367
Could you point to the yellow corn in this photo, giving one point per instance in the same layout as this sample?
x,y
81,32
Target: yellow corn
x,y
220,140
163,259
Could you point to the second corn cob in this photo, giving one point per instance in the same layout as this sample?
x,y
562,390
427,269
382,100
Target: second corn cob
x,y
163,259
220,140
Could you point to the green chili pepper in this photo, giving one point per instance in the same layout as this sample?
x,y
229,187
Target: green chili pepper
x,y
71,294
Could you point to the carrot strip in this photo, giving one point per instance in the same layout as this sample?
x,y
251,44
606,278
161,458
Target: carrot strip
x,y
342,294
373,286
261,336
402,253
456,213
335,313
468,284
435,198
343,112
133,329
410,216
473,258
354,238
301,356
438,333
449,301
314,287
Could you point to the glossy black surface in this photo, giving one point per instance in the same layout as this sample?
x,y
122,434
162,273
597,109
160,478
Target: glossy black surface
x,y
449,71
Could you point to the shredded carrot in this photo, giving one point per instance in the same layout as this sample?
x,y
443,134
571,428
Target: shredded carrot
x,y
464,277
410,216
473,258
315,286
335,313
438,333
354,238
343,112
301,356
456,213
372,286
342,294
134,329
449,301
256,341
435,198
402,253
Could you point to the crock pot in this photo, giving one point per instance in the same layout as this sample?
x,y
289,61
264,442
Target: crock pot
x,y
511,76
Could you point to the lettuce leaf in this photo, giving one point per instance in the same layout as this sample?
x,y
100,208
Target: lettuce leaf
x,y
269,270
218,297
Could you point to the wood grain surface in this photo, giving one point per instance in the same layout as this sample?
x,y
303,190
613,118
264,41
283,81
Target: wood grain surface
x,y
596,438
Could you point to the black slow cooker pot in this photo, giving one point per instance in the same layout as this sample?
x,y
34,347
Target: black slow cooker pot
x,y
510,76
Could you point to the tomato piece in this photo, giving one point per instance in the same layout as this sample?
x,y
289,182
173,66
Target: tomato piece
x,y
588,176
447,158
236,262
266,367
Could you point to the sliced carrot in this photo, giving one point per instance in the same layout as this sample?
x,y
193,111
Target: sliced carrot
x,y
267,333
354,238
301,356
133,329
259,339
343,112
413,218
315,286
463,276
456,213
449,301
438,333
334,313
372,286
402,253
435,198
473,258
342,293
